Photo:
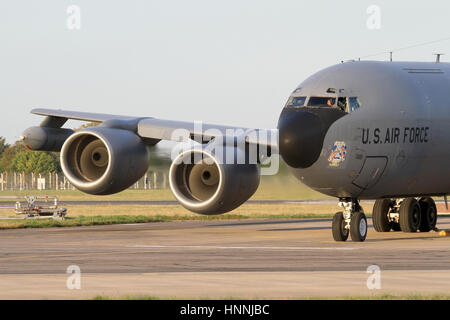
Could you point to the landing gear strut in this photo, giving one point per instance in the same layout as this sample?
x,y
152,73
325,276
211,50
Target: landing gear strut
x,y
351,221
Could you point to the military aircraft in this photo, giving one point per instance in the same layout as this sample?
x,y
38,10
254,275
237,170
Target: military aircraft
x,y
356,130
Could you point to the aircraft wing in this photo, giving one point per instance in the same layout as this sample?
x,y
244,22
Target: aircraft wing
x,y
159,129
77,115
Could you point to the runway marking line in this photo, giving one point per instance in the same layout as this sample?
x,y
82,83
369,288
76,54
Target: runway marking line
x,y
239,247
69,255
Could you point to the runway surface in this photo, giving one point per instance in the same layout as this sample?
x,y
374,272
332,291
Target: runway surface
x,y
11,203
244,259
7,203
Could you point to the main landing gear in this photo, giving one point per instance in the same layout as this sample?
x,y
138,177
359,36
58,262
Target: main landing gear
x,y
407,215
351,221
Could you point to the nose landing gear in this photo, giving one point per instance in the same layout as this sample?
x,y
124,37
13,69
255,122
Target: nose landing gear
x,y
352,221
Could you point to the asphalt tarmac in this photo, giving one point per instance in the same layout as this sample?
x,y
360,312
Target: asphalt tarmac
x,y
6,203
217,259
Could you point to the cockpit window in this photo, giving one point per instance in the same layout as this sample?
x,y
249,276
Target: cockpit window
x,y
346,104
342,103
296,102
354,103
322,101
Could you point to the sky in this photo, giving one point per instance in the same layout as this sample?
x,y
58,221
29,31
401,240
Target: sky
x,y
232,62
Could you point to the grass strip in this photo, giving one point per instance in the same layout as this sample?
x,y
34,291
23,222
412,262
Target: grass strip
x,y
127,219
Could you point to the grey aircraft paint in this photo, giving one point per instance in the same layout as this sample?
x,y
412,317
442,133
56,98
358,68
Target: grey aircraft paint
x,y
396,142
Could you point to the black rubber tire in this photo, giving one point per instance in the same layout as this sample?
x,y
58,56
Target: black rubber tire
x,y
428,212
396,226
358,227
338,227
409,215
380,217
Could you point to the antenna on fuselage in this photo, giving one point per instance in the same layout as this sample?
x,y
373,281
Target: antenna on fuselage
x,y
438,56
405,48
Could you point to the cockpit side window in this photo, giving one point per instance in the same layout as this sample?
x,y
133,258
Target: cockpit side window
x,y
353,103
294,102
342,104
321,102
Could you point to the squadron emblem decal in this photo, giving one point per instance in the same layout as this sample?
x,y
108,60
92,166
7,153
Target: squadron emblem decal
x,y
338,153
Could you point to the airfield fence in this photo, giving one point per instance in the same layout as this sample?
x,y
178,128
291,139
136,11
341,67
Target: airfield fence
x,y
57,181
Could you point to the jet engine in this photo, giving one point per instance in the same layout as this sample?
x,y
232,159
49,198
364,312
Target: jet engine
x,y
45,139
203,184
103,161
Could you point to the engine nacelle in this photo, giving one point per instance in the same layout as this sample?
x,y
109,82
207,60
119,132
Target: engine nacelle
x,y
103,161
45,138
207,186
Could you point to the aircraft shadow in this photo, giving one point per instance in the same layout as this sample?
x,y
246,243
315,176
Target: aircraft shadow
x,y
402,238
297,229
267,222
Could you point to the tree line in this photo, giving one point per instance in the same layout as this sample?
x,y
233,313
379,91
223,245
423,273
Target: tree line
x,y
17,158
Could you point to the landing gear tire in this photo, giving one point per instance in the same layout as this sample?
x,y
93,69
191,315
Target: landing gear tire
x,y
358,227
380,217
340,233
428,214
396,226
410,215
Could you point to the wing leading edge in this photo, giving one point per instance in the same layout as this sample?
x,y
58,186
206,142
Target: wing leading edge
x,y
160,129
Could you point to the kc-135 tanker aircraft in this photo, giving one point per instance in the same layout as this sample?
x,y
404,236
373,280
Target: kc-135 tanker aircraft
x,y
355,130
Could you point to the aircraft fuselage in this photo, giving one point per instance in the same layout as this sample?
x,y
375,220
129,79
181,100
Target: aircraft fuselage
x,y
393,144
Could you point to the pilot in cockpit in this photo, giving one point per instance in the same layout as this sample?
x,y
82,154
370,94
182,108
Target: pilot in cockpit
x,y
330,102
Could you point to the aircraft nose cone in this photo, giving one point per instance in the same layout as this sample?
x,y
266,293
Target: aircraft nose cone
x,y
301,136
